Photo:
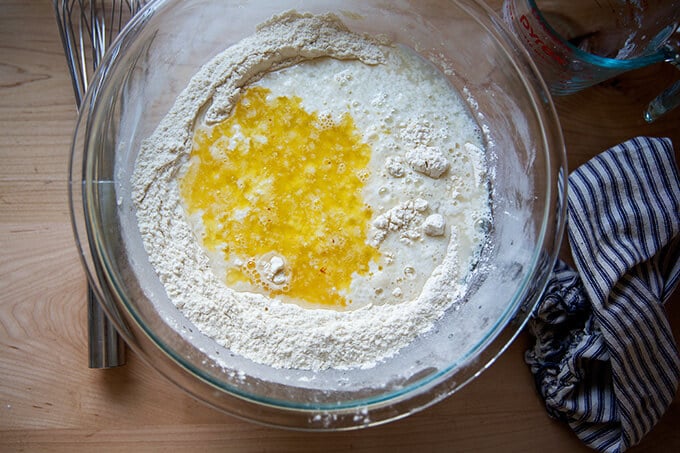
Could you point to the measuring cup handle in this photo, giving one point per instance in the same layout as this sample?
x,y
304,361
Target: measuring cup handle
x,y
670,97
663,103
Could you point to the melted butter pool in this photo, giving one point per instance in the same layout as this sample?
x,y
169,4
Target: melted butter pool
x,y
279,193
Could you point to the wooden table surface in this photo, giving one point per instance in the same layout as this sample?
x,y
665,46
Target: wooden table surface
x,y
51,401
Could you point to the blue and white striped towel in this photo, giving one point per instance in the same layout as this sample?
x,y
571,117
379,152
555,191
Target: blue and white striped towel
x,y
605,360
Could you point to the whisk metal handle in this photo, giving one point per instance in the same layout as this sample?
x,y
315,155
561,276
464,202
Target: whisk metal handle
x,y
106,347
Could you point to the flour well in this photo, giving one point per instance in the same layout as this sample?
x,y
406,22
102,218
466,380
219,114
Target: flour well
x,y
415,181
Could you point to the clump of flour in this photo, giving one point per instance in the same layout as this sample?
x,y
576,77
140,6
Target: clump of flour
x,y
265,329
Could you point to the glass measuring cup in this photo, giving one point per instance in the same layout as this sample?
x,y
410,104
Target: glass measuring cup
x,y
581,43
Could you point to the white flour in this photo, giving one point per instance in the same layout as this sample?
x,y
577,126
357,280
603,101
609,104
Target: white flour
x,y
425,183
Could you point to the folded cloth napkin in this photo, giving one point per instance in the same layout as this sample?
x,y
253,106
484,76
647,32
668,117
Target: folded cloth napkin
x,y
605,360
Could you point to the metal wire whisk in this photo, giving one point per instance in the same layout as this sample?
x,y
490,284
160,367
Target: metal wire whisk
x,y
86,28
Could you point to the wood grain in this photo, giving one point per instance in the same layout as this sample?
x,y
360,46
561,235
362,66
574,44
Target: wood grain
x,y
51,401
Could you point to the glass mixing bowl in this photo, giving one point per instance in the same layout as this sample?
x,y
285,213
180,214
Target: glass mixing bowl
x,y
139,79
